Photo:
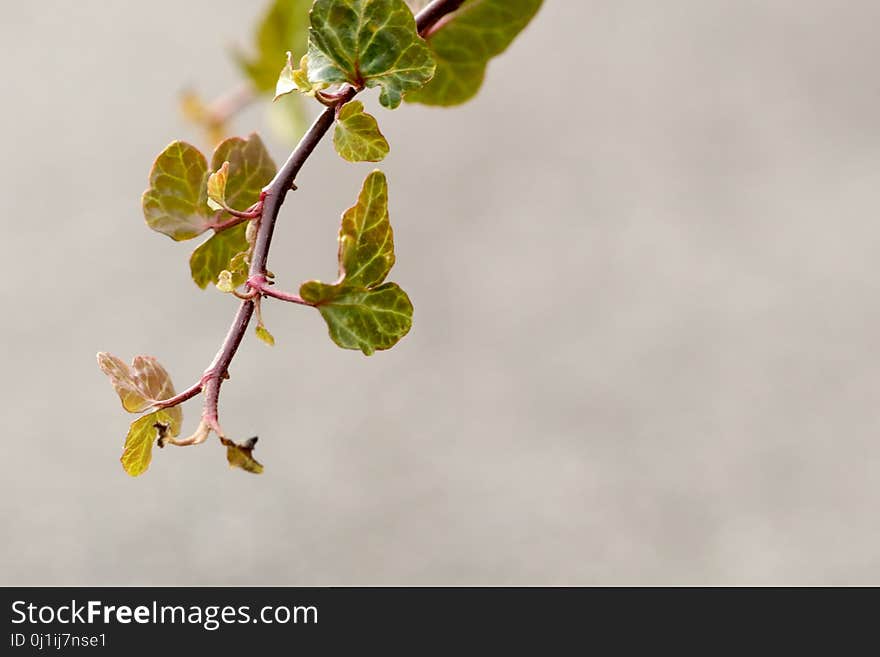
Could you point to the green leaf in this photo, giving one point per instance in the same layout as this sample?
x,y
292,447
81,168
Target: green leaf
x,y
242,455
144,431
139,385
217,188
368,43
250,169
362,319
357,137
215,255
283,27
176,202
361,312
464,43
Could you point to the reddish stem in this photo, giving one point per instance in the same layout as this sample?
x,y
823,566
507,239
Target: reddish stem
x,y
186,395
238,217
259,284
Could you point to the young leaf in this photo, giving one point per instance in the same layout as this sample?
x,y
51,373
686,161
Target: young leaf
x,y
176,202
236,272
216,254
464,43
357,137
296,79
224,282
284,27
139,385
144,431
287,79
361,312
242,455
250,169
217,188
368,43
230,279
264,335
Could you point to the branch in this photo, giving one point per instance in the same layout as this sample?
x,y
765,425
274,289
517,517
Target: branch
x,y
273,198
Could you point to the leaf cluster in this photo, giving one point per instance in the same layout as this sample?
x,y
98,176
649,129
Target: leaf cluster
x,y
350,45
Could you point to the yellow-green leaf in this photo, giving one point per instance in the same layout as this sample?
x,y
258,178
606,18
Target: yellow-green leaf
x,y
144,431
250,169
264,335
234,277
368,43
465,42
296,79
357,136
242,455
361,312
175,204
224,282
366,241
217,187
139,385
287,78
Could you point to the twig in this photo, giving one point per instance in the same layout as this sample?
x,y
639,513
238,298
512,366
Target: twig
x,y
273,197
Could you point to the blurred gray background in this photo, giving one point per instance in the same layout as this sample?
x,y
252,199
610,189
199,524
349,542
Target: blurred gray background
x,y
644,265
